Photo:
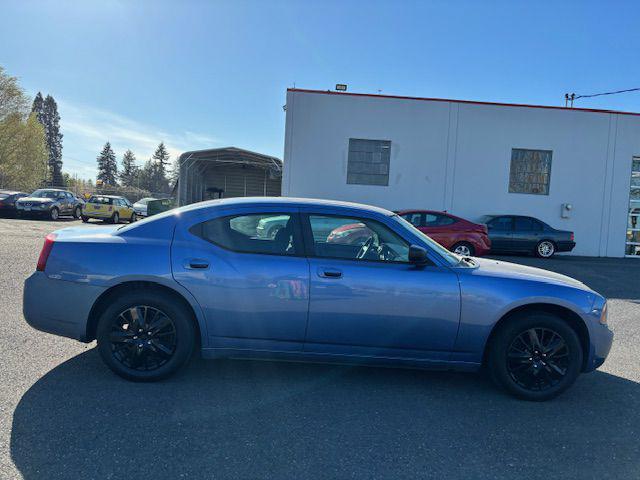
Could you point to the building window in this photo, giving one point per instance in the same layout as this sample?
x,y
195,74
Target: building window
x,y
530,171
368,162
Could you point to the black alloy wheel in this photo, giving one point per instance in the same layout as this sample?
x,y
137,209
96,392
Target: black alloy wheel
x,y
143,338
538,359
535,356
145,335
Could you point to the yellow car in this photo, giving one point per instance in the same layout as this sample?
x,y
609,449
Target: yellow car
x,y
108,208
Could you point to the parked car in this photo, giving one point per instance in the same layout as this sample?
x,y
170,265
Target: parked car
x,y
141,206
8,202
457,234
352,234
188,277
108,208
50,203
522,234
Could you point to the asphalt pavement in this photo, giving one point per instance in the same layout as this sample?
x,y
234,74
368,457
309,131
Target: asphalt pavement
x,y
64,415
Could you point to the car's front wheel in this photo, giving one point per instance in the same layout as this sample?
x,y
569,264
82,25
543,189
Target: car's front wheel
x,y
535,356
145,336
115,218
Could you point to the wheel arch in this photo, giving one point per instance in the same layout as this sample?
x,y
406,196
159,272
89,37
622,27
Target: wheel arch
x,y
103,300
569,316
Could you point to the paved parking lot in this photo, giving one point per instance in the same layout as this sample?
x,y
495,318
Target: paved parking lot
x,y
63,415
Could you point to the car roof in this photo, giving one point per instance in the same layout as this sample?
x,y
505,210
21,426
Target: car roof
x,y
10,192
288,201
106,196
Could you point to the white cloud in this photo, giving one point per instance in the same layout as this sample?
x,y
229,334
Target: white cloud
x,y
86,129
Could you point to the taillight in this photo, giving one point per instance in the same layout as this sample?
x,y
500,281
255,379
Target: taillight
x,y
571,236
46,250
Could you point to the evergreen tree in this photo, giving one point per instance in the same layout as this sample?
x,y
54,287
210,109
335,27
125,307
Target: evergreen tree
x,y
107,166
157,170
47,114
129,172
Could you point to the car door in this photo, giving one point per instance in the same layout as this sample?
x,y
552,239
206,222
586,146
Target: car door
x,y
526,234
501,233
254,291
378,304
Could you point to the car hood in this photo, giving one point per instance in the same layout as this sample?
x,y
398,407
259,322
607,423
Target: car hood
x,y
36,199
497,268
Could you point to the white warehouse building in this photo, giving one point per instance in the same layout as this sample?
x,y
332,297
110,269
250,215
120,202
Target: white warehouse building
x,y
576,169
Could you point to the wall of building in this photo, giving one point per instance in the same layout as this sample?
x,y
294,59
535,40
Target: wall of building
x,y
455,156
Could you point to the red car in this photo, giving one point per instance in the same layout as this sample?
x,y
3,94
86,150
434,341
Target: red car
x,y
457,234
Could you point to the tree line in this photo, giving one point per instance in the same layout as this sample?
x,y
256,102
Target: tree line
x,y
24,153
154,176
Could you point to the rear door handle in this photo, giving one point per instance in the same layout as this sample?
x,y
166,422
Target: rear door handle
x,y
329,273
196,264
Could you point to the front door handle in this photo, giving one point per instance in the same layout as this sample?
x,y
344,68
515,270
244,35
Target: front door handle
x,y
196,264
329,273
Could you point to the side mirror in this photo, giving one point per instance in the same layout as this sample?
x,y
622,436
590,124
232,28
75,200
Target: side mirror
x,y
417,255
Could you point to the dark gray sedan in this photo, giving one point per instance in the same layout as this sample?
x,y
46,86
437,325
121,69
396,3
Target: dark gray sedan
x,y
521,234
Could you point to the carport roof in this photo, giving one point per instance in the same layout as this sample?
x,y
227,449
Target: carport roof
x,y
234,155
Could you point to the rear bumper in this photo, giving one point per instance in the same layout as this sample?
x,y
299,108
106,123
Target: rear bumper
x,y
97,214
566,246
58,306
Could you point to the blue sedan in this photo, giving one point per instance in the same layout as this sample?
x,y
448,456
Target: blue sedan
x,y
338,282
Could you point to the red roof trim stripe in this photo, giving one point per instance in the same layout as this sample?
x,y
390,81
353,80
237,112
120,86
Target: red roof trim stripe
x,y
471,102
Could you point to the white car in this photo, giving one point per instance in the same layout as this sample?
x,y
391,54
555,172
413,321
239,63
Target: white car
x,y
141,206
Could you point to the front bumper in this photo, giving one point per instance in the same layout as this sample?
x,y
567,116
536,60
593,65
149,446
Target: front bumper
x,y
58,306
601,341
33,210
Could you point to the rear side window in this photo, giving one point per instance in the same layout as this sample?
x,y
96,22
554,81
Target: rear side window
x,y
527,224
501,224
266,233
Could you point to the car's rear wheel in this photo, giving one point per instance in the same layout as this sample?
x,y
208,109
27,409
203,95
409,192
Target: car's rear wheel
x,y
77,212
145,336
464,248
535,356
54,213
545,249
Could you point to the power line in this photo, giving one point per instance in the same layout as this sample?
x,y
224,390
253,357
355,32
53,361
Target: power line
x,y
607,93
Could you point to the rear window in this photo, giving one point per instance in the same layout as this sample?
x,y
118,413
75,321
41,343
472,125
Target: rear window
x,y
101,200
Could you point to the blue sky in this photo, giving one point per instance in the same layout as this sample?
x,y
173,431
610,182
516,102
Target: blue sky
x,y
198,74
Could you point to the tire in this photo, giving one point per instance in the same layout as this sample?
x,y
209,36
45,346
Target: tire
x,y
464,248
77,212
136,355
85,219
115,218
541,376
545,249
54,214
133,217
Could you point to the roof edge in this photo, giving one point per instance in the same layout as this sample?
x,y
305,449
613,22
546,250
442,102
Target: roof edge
x,y
470,102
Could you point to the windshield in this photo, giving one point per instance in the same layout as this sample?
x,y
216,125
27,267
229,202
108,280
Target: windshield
x,y
3,196
45,194
451,258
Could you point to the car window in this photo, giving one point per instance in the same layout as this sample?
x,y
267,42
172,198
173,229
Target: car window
x,y
356,239
267,233
414,219
501,224
437,220
100,200
523,224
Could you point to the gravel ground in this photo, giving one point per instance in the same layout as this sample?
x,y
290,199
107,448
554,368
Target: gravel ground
x,y
63,415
